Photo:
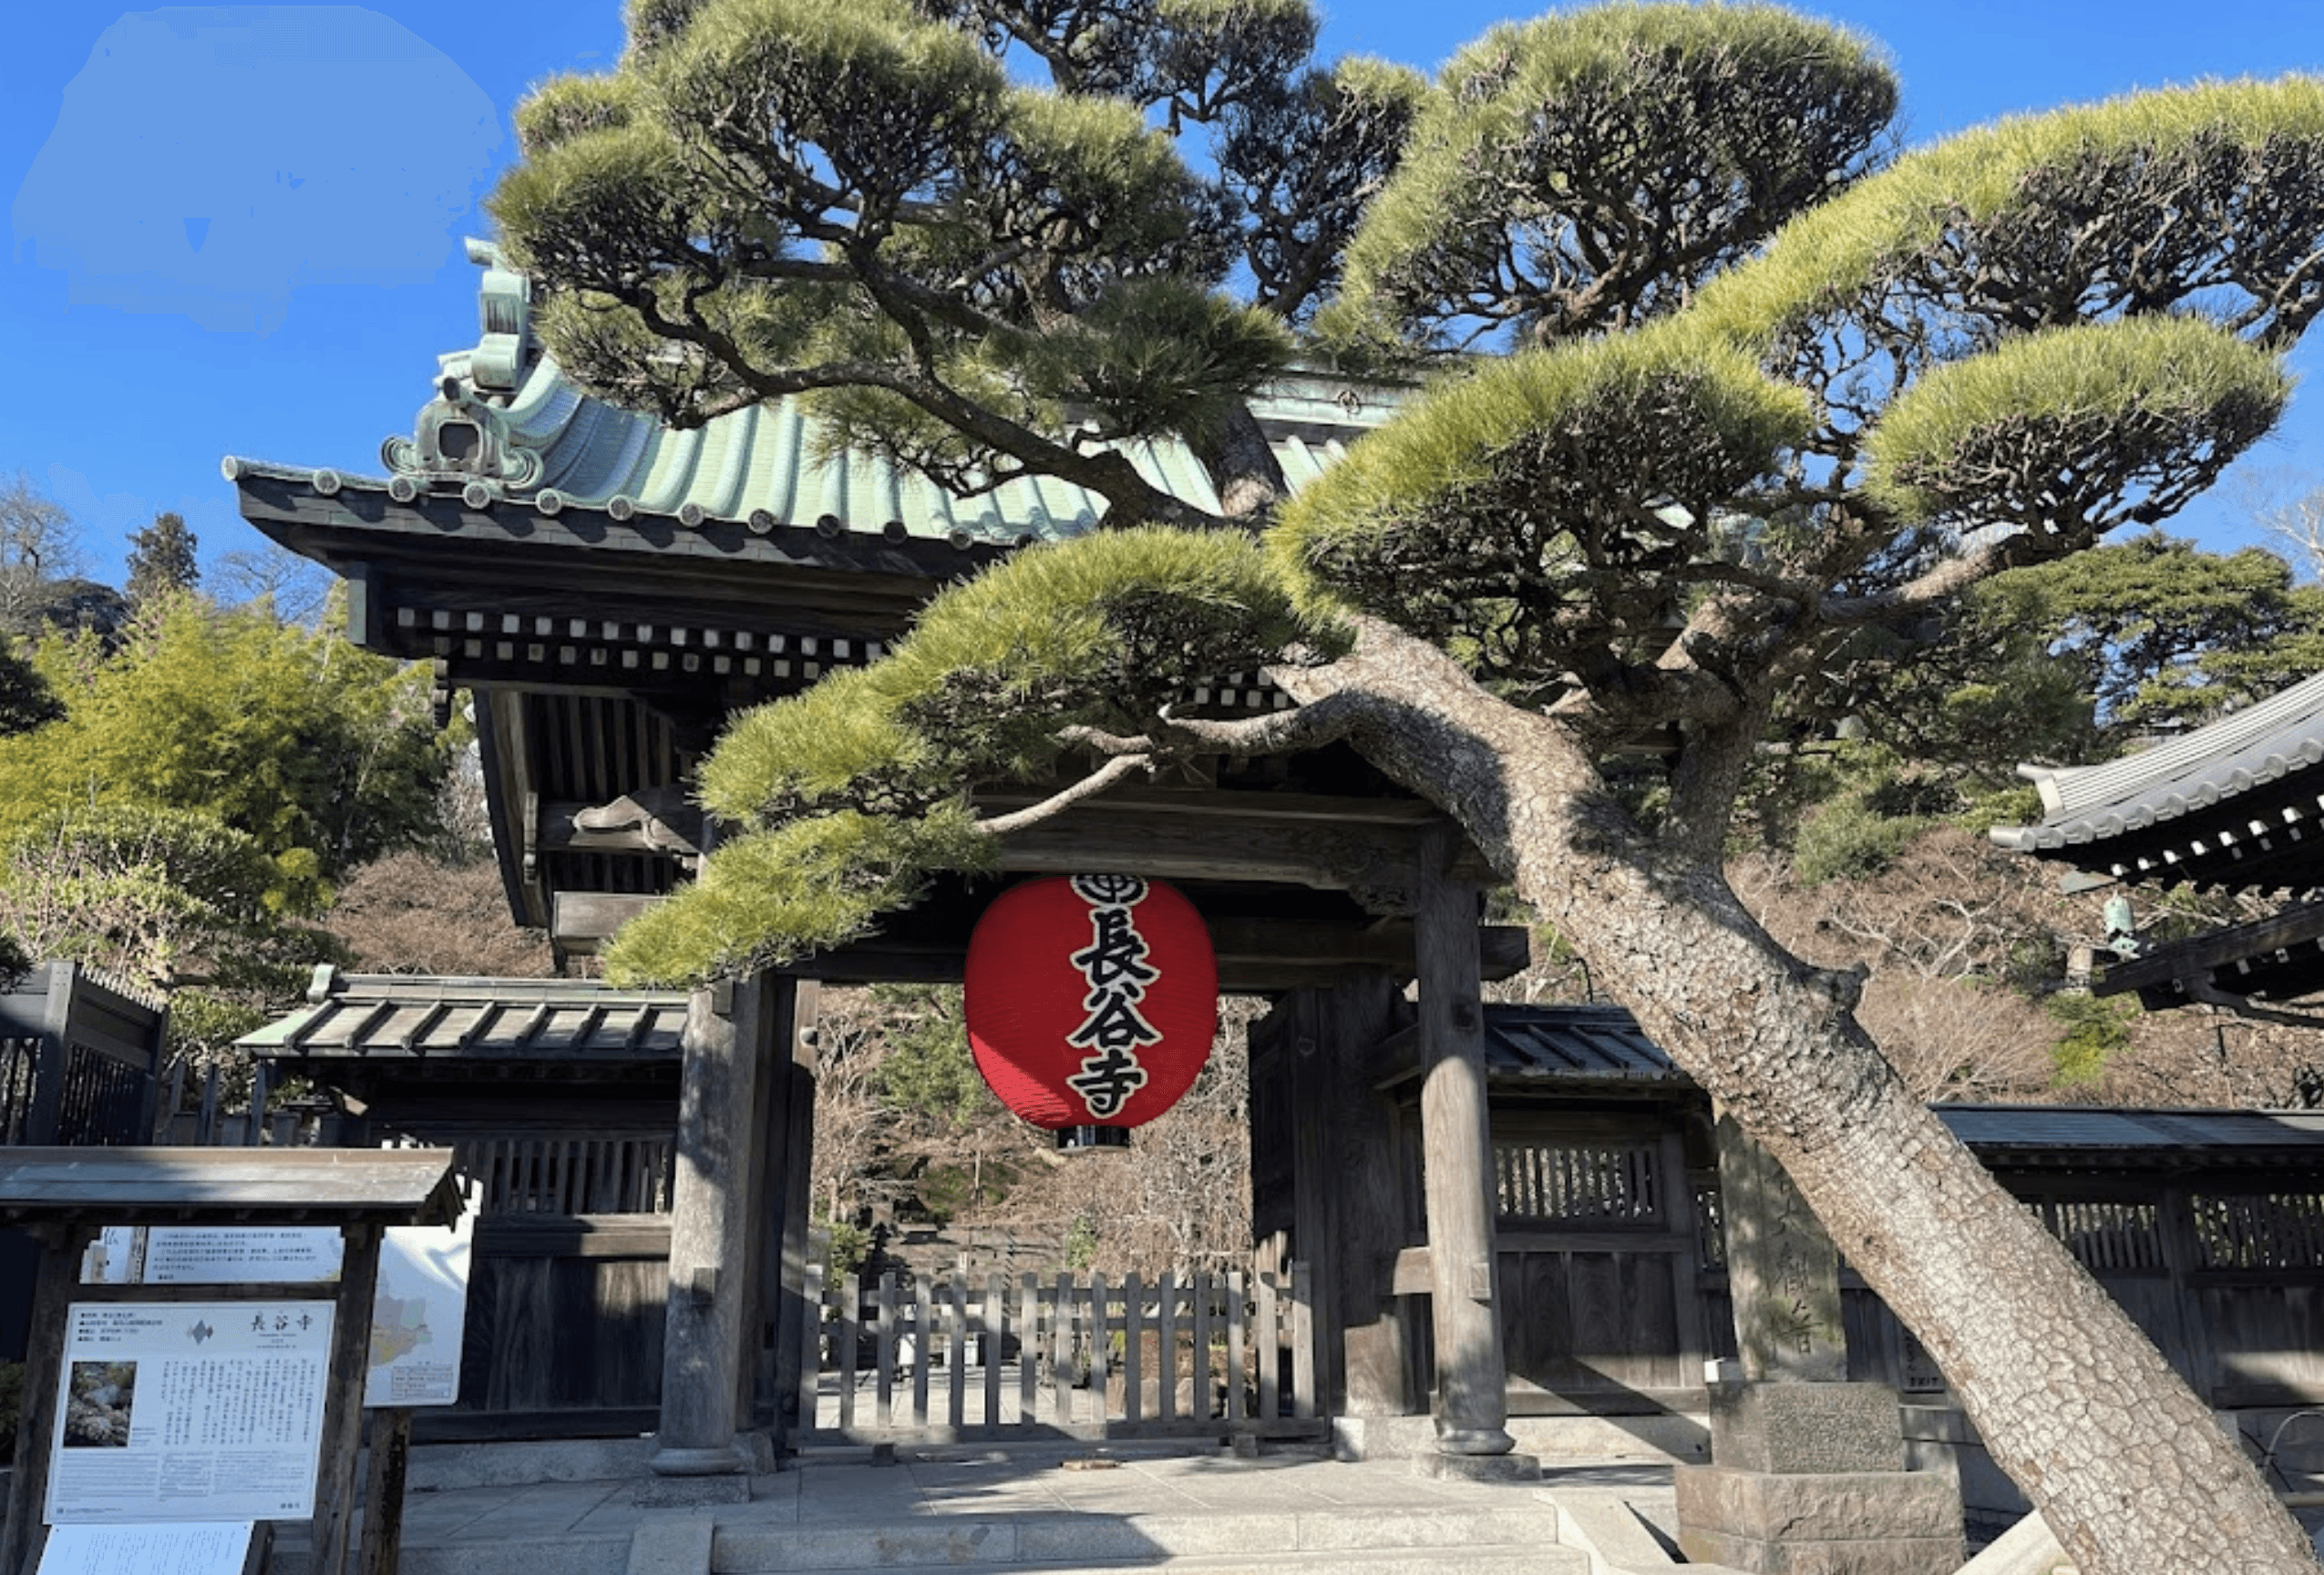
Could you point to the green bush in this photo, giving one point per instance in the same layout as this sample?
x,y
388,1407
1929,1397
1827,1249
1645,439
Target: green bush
x,y
1848,838
2095,1031
850,1245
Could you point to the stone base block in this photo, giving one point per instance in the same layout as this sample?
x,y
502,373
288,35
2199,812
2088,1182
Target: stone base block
x,y
1659,1438
1806,1427
1836,1523
1510,1467
687,1492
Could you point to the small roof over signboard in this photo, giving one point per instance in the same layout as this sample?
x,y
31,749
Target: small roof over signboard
x,y
2236,804
1574,1047
228,1185
1572,1043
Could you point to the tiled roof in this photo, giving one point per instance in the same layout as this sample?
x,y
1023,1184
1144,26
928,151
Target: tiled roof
x,y
509,427
762,463
380,1017
2194,775
2222,1134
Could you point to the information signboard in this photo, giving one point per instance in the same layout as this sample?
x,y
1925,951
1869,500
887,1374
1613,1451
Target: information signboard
x,y
188,1411
204,1548
214,1255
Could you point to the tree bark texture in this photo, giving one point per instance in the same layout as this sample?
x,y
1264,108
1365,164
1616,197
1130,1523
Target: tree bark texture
x,y
2127,1465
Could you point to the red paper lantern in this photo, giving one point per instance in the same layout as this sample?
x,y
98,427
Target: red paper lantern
x,y
1091,1003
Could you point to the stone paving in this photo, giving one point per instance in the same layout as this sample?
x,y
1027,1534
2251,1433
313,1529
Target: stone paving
x,y
1018,1482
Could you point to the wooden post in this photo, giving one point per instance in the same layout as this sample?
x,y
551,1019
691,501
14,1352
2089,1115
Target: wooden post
x,y
809,1362
390,1455
1363,1346
1456,1146
206,1125
54,1059
254,1125
705,1358
60,1264
787,1143
335,1488
1165,1394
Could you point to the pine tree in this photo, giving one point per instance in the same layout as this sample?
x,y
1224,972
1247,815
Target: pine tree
x,y
1723,388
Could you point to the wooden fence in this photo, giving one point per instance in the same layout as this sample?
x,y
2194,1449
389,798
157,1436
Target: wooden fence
x,y
1210,1355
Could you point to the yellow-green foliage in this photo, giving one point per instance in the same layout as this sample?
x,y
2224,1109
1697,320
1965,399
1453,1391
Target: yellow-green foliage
x,y
1154,354
871,86
815,747
325,753
844,76
1062,632
1497,431
1235,17
1082,631
2098,375
774,897
567,107
606,187
1121,179
1822,260
1471,164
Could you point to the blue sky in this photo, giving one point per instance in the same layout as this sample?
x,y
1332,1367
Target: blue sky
x,y
236,229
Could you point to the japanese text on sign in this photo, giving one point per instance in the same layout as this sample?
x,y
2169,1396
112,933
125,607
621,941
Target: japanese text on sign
x,y
1114,969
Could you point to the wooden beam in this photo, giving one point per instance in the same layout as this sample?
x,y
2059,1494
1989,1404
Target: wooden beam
x,y
1253,954
2199,956
1361,845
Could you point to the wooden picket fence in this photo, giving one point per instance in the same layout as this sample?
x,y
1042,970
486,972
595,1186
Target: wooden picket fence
x,y
965,1357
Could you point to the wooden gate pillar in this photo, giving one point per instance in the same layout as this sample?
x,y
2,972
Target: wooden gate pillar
x,y
732,1034
1456,1161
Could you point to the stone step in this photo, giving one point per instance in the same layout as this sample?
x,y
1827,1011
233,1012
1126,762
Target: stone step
x,y
1424,1538
1498,1542
1473,1560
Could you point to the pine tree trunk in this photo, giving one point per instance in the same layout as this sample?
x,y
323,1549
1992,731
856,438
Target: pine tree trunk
x,y
2130,1469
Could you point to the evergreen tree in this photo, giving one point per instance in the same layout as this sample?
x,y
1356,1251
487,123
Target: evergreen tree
x,y
161,558
26,701
1724,389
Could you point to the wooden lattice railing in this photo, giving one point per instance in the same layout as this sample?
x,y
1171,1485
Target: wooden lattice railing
x,y
1209,1353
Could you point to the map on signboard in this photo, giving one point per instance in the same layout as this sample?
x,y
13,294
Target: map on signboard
x,y
419,1314
398,1328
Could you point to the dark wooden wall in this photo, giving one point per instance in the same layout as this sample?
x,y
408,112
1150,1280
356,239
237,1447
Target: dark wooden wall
x,y
570,1280
1600,1256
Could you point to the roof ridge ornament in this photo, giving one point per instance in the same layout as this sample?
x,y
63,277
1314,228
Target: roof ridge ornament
x,y
462,435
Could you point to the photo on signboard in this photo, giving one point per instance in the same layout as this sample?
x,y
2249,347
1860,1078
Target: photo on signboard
x,y
98,1398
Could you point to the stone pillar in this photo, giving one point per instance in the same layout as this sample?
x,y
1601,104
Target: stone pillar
x,y
1807,1470
730,1032
1782,1271
1456,1162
